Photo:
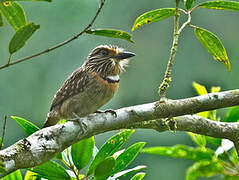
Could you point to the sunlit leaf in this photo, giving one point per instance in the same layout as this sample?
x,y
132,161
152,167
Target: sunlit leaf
x,y
221,5
128,172
214,46
14,14
152,16
200,140
215,89
188,4
124,159
203,169
181,151
109,148
201,90
51,170
21,36
16,175
30,176
111,33
105,168
82,152
1,20
138,176
27,126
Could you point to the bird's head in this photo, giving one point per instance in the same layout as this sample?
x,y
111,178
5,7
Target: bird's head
x,y
108,60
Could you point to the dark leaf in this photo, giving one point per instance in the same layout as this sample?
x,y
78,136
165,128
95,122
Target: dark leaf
x,y
111,33
109,148
1,20
14,14
214,46
105,168
27,126
51,170
21,36
221,5
188,4
82,152
124,159
2,167
152,16
232,114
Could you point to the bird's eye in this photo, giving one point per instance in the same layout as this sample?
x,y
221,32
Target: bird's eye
x,y
104,52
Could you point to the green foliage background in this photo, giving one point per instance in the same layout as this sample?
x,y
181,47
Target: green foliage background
x,y
26,89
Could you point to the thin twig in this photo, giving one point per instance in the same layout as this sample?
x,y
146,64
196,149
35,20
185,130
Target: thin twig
x,y
186,23
9,58
167,77
3,130
60,44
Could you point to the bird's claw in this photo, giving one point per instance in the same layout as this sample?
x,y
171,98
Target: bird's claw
x,y
81,123
111,111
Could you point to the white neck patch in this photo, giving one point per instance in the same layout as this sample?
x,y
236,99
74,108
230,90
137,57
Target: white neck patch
x,y
113,78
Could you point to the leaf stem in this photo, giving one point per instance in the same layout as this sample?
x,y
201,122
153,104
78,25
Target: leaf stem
x,y
167,77
58,45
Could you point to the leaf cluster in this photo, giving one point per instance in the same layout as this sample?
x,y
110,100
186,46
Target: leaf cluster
x,y
84,156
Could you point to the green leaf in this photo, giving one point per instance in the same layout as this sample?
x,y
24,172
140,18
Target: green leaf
x,y
2,167
1,20
21,36
232,114
14,14
59,156
30,176
199,140
29,0
188,4
111,33
214,141
51,170
82,152
16,175
125,158
128,172
105,168
203,169
152,16
138,176
109,148
27,126
214,46
181,151
221,5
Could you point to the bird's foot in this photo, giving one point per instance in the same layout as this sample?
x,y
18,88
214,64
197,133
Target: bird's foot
x,y
111,111
81,123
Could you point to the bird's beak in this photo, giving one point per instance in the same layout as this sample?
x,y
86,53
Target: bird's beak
x,y
124,55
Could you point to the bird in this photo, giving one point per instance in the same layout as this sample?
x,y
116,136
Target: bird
x,y
90,86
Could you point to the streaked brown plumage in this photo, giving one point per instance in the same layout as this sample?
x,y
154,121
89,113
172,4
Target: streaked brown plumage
x,y
91,86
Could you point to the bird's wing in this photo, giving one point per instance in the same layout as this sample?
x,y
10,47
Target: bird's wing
x,y
74,84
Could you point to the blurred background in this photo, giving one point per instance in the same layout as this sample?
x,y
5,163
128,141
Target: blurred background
x,y
27,89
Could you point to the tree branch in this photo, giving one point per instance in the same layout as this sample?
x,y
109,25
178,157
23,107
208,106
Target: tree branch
x,y
58,45
44,144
